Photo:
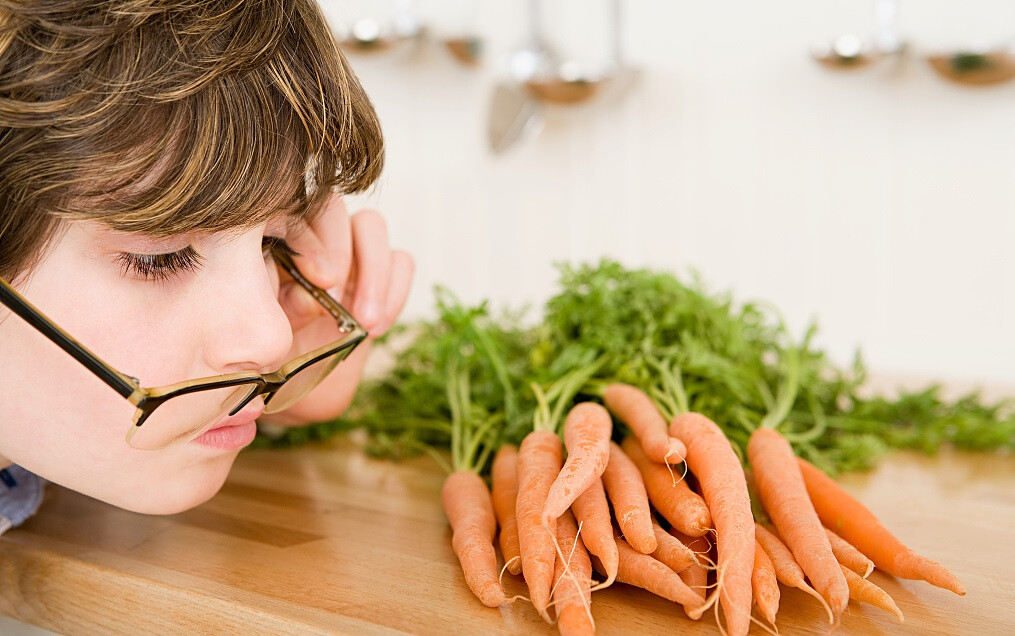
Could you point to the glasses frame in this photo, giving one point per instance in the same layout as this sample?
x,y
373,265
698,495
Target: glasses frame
x,y
146,400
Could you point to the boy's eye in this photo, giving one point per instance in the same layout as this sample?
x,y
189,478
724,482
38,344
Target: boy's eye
x,y
160,267
270,244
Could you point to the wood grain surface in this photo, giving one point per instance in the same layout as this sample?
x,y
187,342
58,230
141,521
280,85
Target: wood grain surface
x,y
325,540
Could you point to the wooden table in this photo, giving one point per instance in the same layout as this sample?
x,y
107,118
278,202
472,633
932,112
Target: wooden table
x,y
324,540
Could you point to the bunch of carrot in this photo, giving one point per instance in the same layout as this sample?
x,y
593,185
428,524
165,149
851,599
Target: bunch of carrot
x,y
668,510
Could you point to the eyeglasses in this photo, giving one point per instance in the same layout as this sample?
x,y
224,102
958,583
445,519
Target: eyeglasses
x,y
177,413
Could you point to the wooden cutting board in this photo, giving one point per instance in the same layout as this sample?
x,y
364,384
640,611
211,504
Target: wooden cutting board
x,y
325,540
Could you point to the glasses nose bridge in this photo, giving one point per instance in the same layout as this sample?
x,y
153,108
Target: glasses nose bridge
x,y
268,386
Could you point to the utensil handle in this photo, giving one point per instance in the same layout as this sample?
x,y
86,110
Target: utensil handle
x,y
886,25
536,25
615,15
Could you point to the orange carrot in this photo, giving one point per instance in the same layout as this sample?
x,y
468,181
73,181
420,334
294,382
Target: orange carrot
x,y
784,496
641,570
470,512
504,475
852,521
573,604
787,570
695,576
593,513
587,432
721,478
700,546
765,584
671,551
862,590
630,501
634,408
684,509
539,461
849,556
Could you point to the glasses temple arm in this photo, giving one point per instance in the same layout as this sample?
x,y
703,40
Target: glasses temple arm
x,y
16,303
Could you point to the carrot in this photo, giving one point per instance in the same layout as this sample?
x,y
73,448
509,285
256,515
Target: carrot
x,y
630,501
587,432
699,546
784,496
504,475
721,478
852,521
694,576
573,603
539,461
849,556
669,550
676,502
470,512
634,408
862,590
765,584
593,512
787,570
641,570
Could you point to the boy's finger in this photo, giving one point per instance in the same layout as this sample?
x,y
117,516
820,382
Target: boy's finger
x,y
332,229
313,259
299,306
402,270
373,267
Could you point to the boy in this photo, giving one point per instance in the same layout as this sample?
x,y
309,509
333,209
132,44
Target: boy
x,y
169,174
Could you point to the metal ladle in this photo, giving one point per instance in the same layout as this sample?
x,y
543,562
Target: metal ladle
x,y
465,49
514,112
976,67
368,35
850,51
571,83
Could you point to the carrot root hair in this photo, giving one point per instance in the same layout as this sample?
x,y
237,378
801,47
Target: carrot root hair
x,y
500,579
711,600
570,574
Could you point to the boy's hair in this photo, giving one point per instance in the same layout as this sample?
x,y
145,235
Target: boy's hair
x,y
165,117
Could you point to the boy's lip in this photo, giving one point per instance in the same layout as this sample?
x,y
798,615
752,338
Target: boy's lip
x,y
234,432
247,414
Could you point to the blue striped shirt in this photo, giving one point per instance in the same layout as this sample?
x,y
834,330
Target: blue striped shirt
x,y
20,495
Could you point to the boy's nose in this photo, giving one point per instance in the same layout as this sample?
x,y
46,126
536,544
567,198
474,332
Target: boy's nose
x,y
248,329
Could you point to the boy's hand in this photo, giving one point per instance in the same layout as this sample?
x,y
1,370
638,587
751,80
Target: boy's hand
x,y
348,255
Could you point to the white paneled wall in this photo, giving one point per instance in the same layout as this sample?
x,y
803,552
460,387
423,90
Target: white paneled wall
x,y
879,201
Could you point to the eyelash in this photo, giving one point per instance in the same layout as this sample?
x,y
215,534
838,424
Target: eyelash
x,y
162,267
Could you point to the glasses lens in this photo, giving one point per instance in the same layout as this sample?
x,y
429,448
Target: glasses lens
x,y
184,417
303,382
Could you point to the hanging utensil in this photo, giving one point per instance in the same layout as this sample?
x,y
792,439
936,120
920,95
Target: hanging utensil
x,y
571,83
513,111
850,51
983,67
513,114
369,35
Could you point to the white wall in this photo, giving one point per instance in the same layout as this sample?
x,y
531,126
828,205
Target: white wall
x,y
880,201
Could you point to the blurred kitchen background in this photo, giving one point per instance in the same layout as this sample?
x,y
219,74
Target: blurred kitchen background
x,y
878,200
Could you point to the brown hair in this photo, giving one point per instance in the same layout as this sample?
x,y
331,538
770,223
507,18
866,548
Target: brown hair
x,y
163,118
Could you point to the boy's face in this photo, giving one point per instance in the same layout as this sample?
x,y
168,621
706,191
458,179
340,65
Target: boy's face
x,y
222,316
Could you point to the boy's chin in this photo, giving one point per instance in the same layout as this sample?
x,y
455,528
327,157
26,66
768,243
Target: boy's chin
x,y
176,494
